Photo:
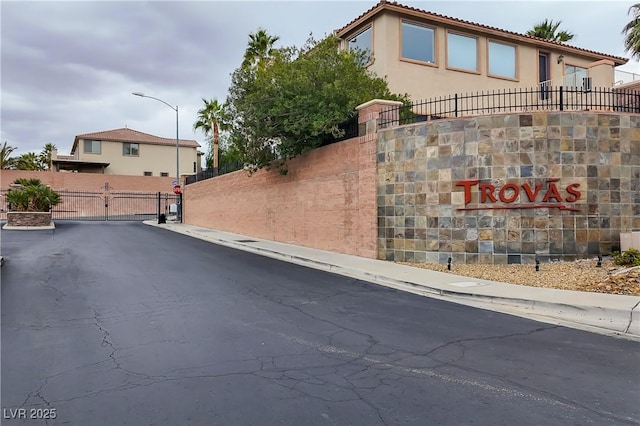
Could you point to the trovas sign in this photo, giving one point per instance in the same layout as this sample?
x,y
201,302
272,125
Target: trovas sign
x,y
541,196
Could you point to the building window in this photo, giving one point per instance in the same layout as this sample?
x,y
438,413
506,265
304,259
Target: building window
x,y
92,147
575,76
502,60
148,173
363,42
164,174
418,43
462,52
130,149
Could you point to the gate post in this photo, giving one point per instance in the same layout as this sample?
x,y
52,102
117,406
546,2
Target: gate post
x,y
158,209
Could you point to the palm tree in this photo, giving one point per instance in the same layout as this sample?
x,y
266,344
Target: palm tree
x,y
32,195
260,48
548,29
6,162
212,118
28,161
632,32
46,155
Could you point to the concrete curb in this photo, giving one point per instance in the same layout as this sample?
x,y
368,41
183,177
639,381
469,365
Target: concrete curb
x,y
611,321
29,228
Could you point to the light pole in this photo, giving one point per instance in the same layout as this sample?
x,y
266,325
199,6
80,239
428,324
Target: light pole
x,y
142,95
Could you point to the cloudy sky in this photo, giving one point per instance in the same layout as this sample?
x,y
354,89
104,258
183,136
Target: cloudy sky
x,y
69,67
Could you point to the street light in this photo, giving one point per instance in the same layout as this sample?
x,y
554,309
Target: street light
x,y
142,95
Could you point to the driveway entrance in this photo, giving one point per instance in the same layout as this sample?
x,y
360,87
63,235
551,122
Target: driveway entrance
x,y
119,323
108,205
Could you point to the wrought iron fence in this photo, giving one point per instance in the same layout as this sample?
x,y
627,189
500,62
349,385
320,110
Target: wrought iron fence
x,y
224,168
107,205
514,100
349,129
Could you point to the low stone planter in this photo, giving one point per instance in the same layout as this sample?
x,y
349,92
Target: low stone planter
x,y
28,219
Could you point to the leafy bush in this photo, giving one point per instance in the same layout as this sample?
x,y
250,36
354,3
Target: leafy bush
x,y
31,195
629,257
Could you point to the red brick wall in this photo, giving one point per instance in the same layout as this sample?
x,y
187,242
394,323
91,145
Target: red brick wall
x,y
90,181
327,200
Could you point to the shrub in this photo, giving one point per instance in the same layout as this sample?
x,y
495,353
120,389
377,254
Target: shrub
x,y
31,195
629,257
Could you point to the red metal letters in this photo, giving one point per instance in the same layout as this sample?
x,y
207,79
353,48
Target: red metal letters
x,y
550,197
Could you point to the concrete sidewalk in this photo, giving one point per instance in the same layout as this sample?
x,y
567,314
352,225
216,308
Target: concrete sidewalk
x,y
602,313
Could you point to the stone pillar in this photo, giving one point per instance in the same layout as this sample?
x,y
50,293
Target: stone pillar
x,y
377,112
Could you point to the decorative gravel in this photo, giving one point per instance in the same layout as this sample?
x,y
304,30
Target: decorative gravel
x,y
581,275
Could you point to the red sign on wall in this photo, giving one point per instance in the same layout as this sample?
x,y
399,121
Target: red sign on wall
x,y
537,198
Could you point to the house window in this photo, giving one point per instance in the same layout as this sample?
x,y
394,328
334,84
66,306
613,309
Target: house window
x,y
574,76
130,149
148,173
363,42
418,43
462,52
502,60
92,147
164,174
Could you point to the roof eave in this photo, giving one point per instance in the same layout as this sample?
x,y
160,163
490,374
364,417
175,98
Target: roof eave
x,y
404,10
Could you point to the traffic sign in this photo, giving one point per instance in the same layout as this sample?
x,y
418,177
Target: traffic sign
x,y
177,189
175,182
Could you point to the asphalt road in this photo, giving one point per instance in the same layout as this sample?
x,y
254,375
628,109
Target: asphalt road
x,y
125,324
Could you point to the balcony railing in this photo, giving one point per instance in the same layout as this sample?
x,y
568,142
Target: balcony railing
x,y
624,77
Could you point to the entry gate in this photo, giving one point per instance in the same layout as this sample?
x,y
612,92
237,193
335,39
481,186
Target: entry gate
x,y
110,205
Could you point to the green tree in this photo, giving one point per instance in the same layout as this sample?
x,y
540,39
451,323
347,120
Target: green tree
x,y
28,161
287,108
211,119
46,156
632,32
260,48
6,161
548,29
228,153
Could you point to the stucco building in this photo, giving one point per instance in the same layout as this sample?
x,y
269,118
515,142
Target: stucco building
x,y
129,152
426,55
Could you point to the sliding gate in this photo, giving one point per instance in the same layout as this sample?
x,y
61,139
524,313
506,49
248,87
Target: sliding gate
x,y
115,205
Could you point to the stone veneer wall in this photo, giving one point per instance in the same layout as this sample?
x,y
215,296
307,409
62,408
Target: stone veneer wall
x,y
418,200
28,218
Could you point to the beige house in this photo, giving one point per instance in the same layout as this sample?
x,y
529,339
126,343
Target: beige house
x,y
426,55
129,152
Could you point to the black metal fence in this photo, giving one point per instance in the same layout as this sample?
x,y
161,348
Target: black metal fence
x,y
224,168
514,100
349,128
109,205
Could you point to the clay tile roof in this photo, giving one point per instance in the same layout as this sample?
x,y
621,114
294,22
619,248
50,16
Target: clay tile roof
x,y
400,8
134,136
